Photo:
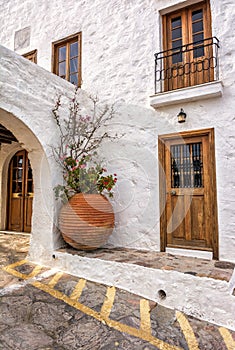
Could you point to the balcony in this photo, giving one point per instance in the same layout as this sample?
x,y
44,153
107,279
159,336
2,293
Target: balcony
x,y
190,71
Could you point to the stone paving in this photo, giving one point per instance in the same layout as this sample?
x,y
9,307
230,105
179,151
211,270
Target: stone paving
x,y
41,309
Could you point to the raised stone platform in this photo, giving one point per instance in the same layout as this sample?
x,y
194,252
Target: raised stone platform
x,y
198,287
220,270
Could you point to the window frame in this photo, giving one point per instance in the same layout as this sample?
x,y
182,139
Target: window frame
x,y
55,58
31,56
185,14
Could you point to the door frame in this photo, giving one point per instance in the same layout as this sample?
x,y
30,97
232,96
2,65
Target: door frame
x,y
212,190
25,197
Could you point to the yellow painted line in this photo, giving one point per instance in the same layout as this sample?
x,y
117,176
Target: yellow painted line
x,y
10,269
108,303
139,333
35,272
188,332
16,264
228,339
145,321
55,279
15,273
75,295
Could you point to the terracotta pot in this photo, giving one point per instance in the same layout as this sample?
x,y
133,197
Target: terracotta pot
x,y
86,221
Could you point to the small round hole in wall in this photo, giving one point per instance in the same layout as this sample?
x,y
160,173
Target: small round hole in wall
x,y
53,256
162,294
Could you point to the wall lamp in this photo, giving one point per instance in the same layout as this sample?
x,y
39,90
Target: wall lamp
x,y
181,116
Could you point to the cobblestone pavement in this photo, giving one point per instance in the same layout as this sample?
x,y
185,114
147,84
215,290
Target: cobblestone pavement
x,y
44,309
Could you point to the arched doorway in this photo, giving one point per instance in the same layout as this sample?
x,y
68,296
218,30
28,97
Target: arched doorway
x,y
20,193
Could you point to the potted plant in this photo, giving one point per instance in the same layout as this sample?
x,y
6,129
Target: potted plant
x,y
86,218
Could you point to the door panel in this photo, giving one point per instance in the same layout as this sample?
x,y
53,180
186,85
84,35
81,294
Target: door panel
x,y
188,191
20,193
197,218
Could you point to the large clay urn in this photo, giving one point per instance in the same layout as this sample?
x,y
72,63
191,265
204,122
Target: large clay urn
x,y
86,221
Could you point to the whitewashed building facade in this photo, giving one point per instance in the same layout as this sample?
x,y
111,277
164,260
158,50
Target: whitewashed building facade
x,y
150,59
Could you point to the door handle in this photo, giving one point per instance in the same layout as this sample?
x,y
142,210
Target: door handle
x,y
173,193
17,195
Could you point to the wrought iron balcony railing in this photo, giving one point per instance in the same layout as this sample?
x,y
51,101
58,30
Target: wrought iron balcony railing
x,y
188,65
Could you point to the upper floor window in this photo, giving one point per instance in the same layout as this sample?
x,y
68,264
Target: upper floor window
x,y
31,56
188,57
67,58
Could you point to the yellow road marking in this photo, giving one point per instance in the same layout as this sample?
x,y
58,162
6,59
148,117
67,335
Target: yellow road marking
x,y
10,269
228,339
108,303
16,264
55,279
35,272
145,321
188,332
75,295
14,273
139,333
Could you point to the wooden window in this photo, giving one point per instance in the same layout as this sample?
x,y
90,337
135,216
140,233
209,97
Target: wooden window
x,y
67,58
31,56
188,47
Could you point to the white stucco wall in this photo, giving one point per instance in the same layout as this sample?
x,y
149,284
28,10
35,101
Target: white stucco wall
x,y
26,101
119,39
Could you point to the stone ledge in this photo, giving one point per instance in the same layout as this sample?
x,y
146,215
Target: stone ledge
x,y
187,286
219,270
193,93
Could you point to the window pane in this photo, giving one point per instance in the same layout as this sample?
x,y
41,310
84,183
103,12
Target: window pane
x,y
198,37
176,33
197,27
187,166
198,51
30,186
74,79
176,58
196,15
62,69
176,43
16,187
176,22
30,175
62,53
13,187
74,49
74,65
20,161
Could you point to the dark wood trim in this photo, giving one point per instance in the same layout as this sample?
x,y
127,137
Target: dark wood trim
x,y
162,193
6,135
213,195
213,216
31,56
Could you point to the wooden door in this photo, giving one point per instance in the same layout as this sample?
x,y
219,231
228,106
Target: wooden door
x,y
188,191
20,198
